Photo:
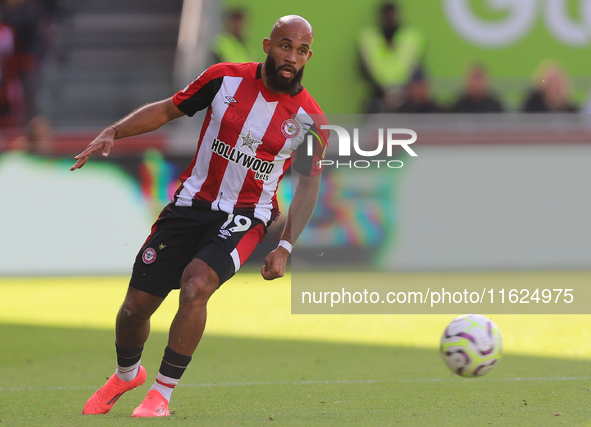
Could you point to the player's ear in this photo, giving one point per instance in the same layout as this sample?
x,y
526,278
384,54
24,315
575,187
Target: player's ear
x,y
309,55
266,45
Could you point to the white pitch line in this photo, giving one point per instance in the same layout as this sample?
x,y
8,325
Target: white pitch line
x,y
328,382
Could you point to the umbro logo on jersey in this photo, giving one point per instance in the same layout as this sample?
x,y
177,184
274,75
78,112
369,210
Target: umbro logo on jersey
x,y
249,142
230,100
224,234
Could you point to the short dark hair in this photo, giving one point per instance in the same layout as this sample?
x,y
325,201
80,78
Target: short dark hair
x,y
237,13
389,7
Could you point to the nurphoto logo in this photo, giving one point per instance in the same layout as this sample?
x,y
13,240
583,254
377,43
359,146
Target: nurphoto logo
x,y
387,138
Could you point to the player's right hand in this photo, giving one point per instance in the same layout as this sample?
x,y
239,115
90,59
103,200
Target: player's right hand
x,y
104,141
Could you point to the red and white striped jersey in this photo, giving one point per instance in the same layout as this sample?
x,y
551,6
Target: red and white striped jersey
x,y
248,139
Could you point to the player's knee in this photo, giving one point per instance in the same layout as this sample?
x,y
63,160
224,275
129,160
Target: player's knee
x,y
133,309
196,291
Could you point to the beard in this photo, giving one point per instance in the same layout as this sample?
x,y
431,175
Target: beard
x,y
279,83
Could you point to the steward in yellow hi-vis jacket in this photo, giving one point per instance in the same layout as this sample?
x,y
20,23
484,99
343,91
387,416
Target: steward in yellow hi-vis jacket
x,y
389,55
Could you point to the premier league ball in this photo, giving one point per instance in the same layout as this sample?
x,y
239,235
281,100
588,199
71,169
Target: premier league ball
x,y
471,345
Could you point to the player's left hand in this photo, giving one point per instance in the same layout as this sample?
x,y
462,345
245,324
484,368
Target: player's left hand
x,y
275,264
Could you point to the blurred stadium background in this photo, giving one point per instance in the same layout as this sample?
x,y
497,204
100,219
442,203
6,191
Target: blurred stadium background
x,y
488,195
503,191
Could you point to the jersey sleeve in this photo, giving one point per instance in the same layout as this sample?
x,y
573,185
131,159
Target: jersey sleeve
x,y
311,165
199,94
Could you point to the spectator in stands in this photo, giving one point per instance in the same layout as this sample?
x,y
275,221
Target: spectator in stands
x,y
417,97
550,92
477,97
230,46
12,100
37,139
24,16
389,53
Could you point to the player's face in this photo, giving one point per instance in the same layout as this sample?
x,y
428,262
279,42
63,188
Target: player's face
x,y
276,78
288,50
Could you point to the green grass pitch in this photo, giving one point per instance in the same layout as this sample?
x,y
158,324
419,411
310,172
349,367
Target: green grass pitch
x,y
259,365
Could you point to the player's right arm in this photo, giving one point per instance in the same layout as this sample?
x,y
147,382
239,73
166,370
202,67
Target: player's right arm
x,y
196,96
145,119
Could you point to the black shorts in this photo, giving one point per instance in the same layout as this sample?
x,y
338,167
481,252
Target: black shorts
x,y
223,241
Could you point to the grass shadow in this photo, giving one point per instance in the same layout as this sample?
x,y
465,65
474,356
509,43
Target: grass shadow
x,y
47,373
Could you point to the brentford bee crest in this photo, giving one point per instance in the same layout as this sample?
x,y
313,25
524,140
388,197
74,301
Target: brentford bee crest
x,y
149,256
290,128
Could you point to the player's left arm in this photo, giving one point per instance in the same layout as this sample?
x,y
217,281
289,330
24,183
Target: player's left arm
x,y
300,211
